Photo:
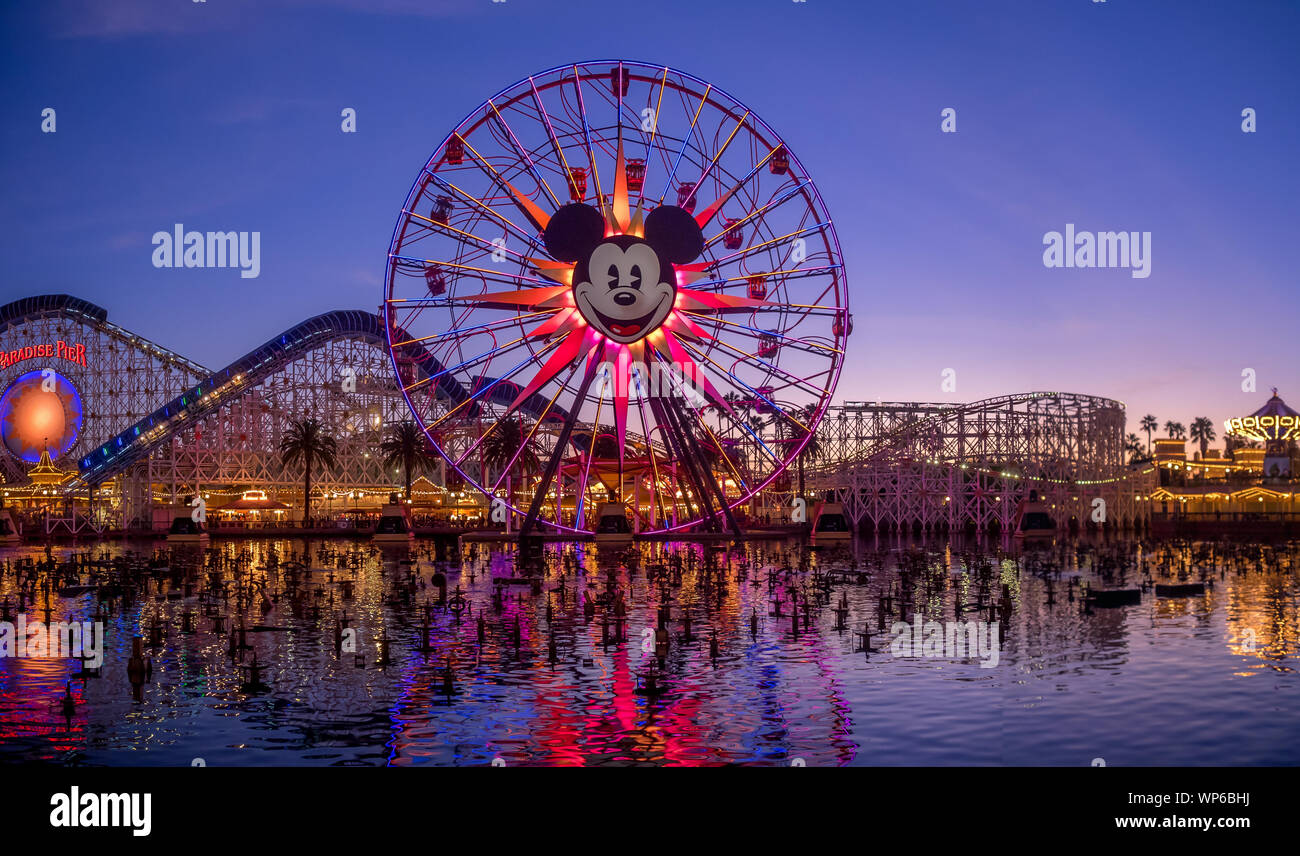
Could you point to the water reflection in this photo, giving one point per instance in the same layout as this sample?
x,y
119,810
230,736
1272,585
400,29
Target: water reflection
x,y
332,652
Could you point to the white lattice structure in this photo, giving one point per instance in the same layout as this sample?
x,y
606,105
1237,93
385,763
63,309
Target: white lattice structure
x,y
236,446
223,434
955,466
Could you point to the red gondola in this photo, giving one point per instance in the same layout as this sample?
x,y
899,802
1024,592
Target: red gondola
x,y
619,79
441,210
577,184
434,278
780,162
635,171
455,151
686,197
733,236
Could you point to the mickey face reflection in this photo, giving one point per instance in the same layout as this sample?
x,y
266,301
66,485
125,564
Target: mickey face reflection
x,y
623,285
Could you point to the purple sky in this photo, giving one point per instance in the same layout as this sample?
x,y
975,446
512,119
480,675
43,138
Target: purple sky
x,y
1121,115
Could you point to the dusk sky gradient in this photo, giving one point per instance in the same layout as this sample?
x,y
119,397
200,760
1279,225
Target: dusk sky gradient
x,y
1123,115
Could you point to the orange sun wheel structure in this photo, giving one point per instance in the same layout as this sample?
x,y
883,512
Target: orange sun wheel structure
x,y
40,411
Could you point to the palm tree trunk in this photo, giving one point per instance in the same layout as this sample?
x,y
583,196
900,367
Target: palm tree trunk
x,y
306,489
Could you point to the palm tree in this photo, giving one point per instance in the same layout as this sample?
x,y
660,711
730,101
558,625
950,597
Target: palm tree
x,y
506,443
306,442
1202,431
812,450
407,447
1175,430
1133,445
1149,424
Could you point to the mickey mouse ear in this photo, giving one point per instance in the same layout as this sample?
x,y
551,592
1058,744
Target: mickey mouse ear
x,y
573,232
674,232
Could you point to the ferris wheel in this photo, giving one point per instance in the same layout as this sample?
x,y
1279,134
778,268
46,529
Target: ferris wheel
x,y
614,283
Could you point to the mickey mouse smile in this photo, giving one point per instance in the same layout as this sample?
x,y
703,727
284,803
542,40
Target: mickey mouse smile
x,y
624,328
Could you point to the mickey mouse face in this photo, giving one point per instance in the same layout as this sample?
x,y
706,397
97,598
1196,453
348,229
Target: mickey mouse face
x,y
624,286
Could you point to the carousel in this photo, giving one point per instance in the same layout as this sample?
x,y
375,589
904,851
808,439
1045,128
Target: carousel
x,y
1275,425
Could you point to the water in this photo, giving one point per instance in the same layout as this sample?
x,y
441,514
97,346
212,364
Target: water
x,y
1202,680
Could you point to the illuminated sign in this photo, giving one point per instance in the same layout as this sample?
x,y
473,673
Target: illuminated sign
x,y
61,349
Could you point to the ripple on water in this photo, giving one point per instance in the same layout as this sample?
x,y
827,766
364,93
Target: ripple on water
x,y
1204,680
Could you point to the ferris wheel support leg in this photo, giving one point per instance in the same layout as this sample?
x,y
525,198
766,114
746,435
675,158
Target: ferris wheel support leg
x,y
704,473
535,508
707,475
692,492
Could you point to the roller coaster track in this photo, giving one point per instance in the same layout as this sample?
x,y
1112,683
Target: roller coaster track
x,y
902,441
218,389
19,312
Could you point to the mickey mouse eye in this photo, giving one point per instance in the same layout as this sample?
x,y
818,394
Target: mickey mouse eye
x,y
635,277
612,273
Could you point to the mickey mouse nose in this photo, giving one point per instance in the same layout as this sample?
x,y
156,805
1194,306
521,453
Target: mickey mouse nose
x,y
625,298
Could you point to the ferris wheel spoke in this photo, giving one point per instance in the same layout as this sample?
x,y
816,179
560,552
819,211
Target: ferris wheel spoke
x,y
783,275
591,454
654,133
489,387
754,332
680,389
709,213
526,206
650,453
759,212
491,326
449,230
529,239
788,238
477,358
685,142
586,136
550,129
487,272
721,151
753,359
532,167
527,440
699,420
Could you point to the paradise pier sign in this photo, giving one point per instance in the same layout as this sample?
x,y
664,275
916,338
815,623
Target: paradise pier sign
x,y
64,350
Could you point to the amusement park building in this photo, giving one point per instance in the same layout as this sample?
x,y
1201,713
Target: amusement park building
x,y
1241,484
154,428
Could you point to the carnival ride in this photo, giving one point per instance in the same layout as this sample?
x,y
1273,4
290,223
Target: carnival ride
x,y
638,252
929,466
